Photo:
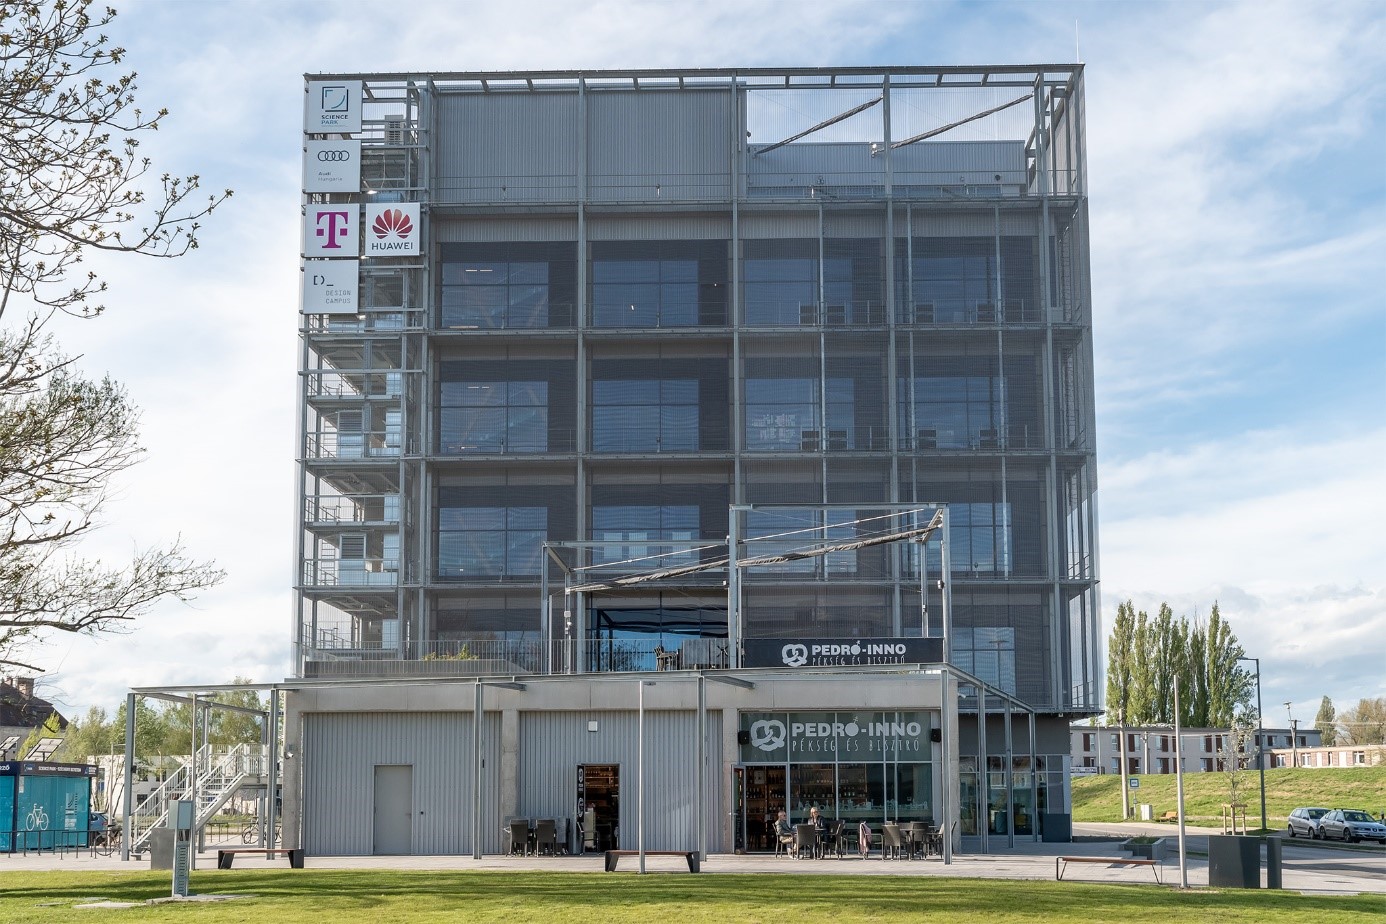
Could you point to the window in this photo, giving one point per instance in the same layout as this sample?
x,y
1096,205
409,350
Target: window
x,y
1089,741
490,543
645,293
495,294
780,283
509,285
494,417
954,285
989,653
782,414
642,531
659,284
645,415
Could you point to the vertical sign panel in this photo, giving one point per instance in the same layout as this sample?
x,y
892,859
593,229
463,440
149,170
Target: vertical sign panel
x,y
331,286
392,230
332,166
333,106
331,231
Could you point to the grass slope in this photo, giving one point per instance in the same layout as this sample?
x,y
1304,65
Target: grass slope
x,y
374,896
1098,798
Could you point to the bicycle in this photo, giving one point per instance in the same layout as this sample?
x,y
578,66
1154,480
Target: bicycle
x,y
106,841
250,834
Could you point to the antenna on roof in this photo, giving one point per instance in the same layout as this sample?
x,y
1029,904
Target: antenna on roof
x,y
1077,56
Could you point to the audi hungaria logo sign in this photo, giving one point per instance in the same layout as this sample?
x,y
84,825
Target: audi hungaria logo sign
x,y
392,230
331,166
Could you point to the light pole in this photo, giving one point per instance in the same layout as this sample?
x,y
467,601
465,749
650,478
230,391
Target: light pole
x,y
1260,739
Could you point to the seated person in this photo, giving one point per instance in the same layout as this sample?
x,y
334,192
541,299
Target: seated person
x,y
784,831
820,827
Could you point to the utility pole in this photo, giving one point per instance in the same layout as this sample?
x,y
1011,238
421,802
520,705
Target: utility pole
x,y
1294,737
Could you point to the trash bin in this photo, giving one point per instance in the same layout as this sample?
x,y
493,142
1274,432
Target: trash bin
x,y
1234,861
161,848
1274,858
1147,812
1056,827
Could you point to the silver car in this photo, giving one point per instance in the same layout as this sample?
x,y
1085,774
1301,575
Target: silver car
x,y
1304,822
1352,826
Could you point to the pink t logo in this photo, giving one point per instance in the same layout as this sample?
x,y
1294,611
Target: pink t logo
x,y
332,226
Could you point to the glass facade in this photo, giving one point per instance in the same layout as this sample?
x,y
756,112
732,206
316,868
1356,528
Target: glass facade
x,y
609,351
856,766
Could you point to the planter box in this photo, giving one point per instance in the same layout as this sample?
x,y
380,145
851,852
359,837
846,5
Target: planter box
x,y
1146,850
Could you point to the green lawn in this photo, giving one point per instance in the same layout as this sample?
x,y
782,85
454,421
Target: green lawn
x,y
1098,798
375,896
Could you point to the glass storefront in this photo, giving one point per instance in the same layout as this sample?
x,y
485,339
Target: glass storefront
x,y
856,766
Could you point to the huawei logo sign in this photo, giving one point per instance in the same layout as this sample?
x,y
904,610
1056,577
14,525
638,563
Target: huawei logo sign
x,y
392,222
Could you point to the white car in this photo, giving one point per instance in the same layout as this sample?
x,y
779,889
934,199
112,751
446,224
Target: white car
x,y
1305,822
1352,826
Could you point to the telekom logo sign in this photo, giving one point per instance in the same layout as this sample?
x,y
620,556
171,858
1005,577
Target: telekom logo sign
x,y
331,231
332,227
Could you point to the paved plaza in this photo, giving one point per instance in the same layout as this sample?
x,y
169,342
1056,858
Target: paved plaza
x,y
1310,869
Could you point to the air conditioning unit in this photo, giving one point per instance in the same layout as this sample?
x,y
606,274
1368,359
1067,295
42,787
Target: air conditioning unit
x,y
395,128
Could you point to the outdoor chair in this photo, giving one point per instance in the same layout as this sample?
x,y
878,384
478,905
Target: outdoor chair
x,y
546,836
781,848
916,839
892,841
519,837
805,836
837,838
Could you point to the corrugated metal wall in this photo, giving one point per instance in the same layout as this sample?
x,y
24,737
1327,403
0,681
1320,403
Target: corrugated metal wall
x,y
552,744
492,147
341,752
679,141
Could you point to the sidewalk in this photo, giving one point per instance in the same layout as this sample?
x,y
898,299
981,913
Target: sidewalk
x,y
1025,861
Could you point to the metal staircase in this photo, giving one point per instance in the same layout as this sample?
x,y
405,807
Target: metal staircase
x,y
218,778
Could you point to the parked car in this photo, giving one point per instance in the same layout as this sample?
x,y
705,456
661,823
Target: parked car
x,y
1305,821
1352,825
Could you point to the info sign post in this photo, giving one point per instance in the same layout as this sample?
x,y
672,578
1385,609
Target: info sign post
x,y
180,819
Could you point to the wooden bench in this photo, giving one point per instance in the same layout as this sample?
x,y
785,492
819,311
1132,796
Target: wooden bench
x,y
614,856
295,855
1169,816
1061,863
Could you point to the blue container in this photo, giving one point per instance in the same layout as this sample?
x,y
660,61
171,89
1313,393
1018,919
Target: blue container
x,y
44,806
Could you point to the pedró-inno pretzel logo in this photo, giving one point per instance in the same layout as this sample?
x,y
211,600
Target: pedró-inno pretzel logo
x,y
767,734
794,655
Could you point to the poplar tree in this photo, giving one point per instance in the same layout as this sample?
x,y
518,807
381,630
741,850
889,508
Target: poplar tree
x,y
1326,722
1119,659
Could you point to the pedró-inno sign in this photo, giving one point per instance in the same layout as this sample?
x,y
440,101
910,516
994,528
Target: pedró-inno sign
x,y
839,652
849,735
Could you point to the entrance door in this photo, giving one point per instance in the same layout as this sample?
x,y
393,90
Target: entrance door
x,y
394,810
765,792
599,805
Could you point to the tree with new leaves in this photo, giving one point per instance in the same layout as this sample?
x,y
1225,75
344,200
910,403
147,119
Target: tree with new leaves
x,y
72,183
1364,723
1144,656
1120,659
1327,722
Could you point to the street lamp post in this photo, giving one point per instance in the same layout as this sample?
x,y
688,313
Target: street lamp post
x,y
1260,739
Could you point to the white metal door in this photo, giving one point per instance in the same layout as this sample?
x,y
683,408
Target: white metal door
x,y
394,810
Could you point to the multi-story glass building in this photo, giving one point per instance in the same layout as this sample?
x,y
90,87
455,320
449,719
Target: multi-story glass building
x,y
562,329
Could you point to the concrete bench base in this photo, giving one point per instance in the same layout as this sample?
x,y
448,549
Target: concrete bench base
x,y
614,856
1061,863
295,855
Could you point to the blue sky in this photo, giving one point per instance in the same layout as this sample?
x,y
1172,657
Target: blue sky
x,y
1238,213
